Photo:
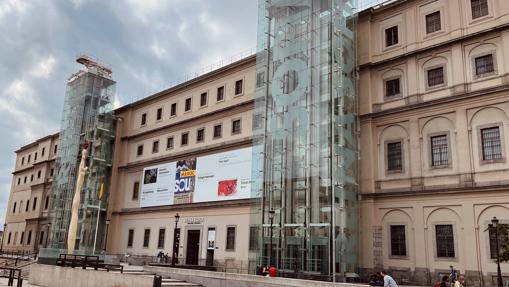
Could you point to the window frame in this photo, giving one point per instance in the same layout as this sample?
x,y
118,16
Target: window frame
x,y
242,83
143,120
170,139
159,114
130,238
430,136
203,105
223,87
480,17
240,126
198,133
490,252
474,58
440,22
395,96
386,44
389,230
135,191
155,146
139,152
160,244
146,238
228,227
480,146
190,101
173,110
386,156
444,76
214,136
454,242
182,139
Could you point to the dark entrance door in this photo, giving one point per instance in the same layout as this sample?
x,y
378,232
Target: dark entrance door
x,y
193,247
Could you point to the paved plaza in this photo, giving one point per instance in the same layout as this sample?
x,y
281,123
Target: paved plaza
x,y
3,282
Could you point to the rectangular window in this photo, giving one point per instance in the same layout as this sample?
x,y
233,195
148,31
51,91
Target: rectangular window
x,y
146,238
433,22
491,146
140,150
238,87
55,149
200,135
29,158
435,77
38,174
51,172
43,150
160,239
218,131
253,237
130,238
439,151
220,94
9,239
391,36
35,157
184,139
260,79
22,160
484,65
31,178
173,111
41,238
503,240
203,99
136,190
169,143
479,8
29,239
159,114
19,180
236,127
27,206
155,147
34,205
14,207
398,241
394,157
230,238
143,119
22,237
445,241
25,180
188,104
46,202
392,88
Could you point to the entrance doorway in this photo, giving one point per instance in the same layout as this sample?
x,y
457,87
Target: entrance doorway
x,y
193,247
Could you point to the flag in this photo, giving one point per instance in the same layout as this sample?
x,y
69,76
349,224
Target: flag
x,y
101,191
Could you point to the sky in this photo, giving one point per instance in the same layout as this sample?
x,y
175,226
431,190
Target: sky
x,y
149,44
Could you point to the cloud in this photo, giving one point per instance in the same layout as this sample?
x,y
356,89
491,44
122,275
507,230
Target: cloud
x,y
44,68
13,6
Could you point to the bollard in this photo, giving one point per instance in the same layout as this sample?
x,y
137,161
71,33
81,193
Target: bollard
x,y
157,281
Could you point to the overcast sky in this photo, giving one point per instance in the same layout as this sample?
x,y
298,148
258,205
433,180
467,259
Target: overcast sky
x,y
148,43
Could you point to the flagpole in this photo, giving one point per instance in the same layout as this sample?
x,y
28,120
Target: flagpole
x,y
97,225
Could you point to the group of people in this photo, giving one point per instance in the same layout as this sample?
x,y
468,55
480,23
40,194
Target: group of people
x,y
162,257
268,271
383,279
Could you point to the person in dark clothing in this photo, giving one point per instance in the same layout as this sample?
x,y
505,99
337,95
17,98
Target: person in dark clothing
x,y
376,280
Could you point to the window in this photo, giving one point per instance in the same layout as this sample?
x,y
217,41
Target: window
x,y
51,172
130,238
203,99
238,87
220,94
188,104
9,238
35,157
392,88
31,177
20,206
184,139
140,150
230,238
236,127
253,237
55,149
38,174
502,240
394,157
41,238
19,180
173,111
14,207
484,65
391,36
445,241
398,241
491,147
22,160
29,158
143,119
146,238
25,180
43,151
159,114
479,8
136,190
169,143
435,77
28,204
29,239
200,135
433,22
260,79
439,151
155,147
217,131
34,205
160,240
22,237
46,202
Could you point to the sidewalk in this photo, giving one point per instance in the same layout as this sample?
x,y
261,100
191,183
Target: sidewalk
x,y
3,282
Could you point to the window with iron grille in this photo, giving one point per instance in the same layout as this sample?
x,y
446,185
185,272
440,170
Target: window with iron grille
x,y
146,238
238,87
236,127
143,119
136,190
173,110
130,238
392,87
391,36
159,114
188,104
479,8
398,240
203,99
200,135
491,146
230,238
184,139
220,94
439,150
484,65
155,147
394,157
445,240
435,77
160,240
502,240
433,22
169,143
218,131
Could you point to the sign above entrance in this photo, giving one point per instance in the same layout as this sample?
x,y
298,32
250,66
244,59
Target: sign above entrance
x,y
195,220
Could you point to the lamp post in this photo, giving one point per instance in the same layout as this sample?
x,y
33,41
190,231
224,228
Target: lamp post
x,y
47,235
176,242
3,238
494,224
271,221
106,236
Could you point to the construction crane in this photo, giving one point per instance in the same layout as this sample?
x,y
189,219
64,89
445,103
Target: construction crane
x,y
94,66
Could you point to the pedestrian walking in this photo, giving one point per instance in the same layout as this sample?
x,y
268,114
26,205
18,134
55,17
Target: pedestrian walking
x,y
460,282
388,280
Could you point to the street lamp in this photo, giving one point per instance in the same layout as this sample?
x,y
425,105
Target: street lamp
x,y
176,242
47,235
272,212
3,238
494,224
106,236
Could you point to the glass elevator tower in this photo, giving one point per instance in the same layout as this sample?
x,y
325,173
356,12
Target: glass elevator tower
x,y
306,129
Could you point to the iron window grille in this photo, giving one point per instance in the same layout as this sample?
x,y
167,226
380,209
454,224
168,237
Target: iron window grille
x,y
445,241
479,8
484,65
394,157
503,240
439,151
398,240
392,87
491,146
391,36
433,22
435,77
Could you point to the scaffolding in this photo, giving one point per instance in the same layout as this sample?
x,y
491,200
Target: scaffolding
x,y
306,129
87,118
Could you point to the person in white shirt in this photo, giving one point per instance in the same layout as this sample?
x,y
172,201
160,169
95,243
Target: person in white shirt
x,y
388,280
